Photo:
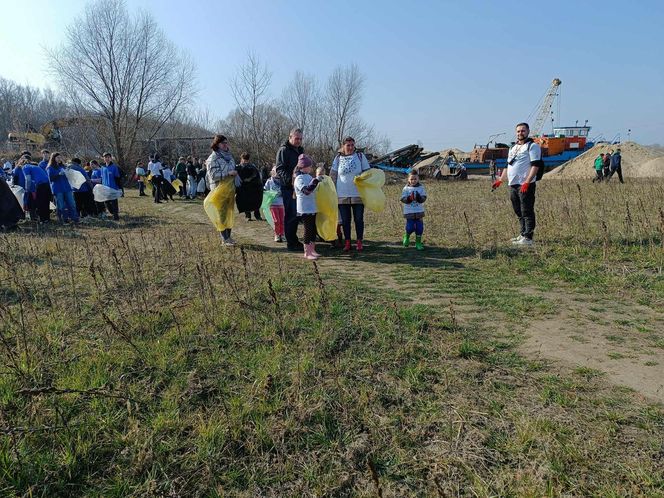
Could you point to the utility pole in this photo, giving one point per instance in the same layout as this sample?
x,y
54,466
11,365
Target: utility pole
x,y
629,133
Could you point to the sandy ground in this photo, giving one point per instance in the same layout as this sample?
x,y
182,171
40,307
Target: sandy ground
x,y
638,161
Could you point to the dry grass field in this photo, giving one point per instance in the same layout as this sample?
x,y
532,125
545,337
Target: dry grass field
x,y
141,358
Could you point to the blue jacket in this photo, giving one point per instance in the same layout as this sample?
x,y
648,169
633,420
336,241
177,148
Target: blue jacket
x,y
43,164
36,175
86,186
615,161
59,182
18,178
110,175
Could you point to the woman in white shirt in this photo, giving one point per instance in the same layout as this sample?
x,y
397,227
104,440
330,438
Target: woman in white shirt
x,y
346,166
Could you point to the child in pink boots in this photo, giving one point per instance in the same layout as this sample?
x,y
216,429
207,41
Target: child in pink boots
x,y
305,192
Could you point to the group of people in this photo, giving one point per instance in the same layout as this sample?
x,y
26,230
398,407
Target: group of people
x,y
189,181
608,164
292,182
35,186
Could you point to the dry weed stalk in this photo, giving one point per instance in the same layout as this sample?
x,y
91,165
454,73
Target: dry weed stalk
x,y
453,316
607,241
471,239
275,304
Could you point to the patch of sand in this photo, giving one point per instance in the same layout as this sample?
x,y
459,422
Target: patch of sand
x,y
638,161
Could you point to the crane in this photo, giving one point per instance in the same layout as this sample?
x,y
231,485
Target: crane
x,y
543,110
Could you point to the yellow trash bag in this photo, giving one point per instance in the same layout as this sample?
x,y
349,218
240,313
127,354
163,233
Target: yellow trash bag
x,y
147,180
176,184
328,209
370,186
219,204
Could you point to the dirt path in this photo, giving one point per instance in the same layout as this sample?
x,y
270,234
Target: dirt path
x,y
624,342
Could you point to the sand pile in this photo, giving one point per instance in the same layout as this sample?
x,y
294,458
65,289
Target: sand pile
x,y
652,168
638,161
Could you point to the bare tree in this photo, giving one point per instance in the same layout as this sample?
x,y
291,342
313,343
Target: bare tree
x,y
249,87
124,70
301,102
344,97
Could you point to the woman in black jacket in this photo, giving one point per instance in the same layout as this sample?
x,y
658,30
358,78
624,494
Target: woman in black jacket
x,y
249,195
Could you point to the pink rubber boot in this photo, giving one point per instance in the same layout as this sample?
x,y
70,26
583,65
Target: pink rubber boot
x,y
308,252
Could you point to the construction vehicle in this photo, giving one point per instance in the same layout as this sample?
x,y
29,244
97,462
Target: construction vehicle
x,y
401,160
50,134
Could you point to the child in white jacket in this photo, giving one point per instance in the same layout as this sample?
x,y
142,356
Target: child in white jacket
x,y
305,192
413,197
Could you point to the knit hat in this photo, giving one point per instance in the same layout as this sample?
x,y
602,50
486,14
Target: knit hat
x,y
304,161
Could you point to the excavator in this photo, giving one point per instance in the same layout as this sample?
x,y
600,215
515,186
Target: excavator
x,y
49,134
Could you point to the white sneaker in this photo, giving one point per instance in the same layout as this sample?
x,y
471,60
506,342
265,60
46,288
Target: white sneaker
x,y
516,240
229,242
524,242
277,238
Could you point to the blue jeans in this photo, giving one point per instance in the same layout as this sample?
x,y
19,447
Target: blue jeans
x,y
416,226
66,206
191,186
358,216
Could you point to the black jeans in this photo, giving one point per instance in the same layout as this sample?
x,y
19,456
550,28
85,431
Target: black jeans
x,y
524,208
156,188
112,207
599,176
357,211
291,218
43,202
85,203
183,189
617,170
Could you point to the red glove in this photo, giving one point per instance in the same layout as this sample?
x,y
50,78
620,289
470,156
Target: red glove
x,y
496,184
524,187
411,197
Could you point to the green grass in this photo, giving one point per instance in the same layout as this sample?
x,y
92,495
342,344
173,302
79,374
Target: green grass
x,y
168,366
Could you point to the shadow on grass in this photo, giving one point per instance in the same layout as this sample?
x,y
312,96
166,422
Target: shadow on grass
x,y
383,252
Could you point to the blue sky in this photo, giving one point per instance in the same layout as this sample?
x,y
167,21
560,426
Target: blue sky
x,y
444,73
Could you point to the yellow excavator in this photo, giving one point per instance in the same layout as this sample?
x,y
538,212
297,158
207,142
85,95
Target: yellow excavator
x,y
49,134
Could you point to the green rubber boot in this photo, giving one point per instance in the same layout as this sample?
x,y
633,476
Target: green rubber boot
x,y
406,240
418,243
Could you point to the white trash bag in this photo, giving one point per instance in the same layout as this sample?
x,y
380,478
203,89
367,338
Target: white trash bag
x,y
102,193
200,188
75,178
19,192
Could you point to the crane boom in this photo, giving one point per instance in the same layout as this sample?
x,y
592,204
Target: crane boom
x,y
545,108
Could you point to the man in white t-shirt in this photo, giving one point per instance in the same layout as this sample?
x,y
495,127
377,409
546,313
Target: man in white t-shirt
x,y
524,161
155,168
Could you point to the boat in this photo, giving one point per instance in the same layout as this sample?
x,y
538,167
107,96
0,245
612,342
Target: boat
x,y
564,144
